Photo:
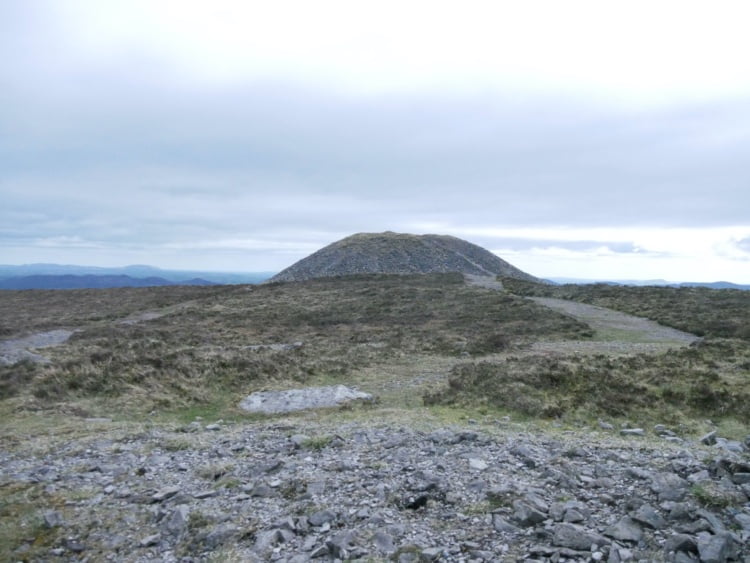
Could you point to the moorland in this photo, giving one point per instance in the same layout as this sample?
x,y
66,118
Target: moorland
x,y
147,370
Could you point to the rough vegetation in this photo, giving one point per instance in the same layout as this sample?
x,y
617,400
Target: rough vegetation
x,y
709,380
503,430
233,339
396,253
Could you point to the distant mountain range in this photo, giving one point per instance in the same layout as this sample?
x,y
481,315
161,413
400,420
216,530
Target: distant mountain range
x,y
711,285
57,276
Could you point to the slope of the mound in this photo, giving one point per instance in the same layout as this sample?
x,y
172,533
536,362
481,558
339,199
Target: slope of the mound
x,y
394,253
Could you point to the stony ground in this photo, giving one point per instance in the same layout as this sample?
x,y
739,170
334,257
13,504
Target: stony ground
x,y
299,489
389,482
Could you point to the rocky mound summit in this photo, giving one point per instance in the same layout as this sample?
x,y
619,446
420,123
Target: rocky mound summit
x,y
395,253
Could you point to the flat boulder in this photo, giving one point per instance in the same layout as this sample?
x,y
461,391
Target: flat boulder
x,y
276,402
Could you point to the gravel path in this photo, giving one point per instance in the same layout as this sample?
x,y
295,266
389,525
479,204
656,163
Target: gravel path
x,y
616,333
602,319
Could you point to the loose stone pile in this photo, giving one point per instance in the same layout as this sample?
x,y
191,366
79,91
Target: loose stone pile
x,y
294,491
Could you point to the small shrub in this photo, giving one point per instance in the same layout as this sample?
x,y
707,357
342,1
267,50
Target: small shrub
x,y
317,442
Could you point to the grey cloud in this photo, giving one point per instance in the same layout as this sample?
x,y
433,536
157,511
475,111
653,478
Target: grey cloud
x,y
523,244
125,153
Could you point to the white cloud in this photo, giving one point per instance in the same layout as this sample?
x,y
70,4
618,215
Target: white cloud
x,y
635,50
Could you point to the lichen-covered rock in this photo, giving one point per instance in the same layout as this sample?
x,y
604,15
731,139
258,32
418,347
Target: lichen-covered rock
x,y
275,402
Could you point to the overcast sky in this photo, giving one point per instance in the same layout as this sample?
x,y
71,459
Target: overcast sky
x,y
589,139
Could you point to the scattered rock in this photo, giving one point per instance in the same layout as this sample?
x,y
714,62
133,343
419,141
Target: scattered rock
x,y
576,537
478,464
382,491
625,529
150,540
714,548
164,494
633,432
274,402
52,519
709,439
648,516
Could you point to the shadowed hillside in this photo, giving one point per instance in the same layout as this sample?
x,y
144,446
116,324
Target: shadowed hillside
x,y
395,253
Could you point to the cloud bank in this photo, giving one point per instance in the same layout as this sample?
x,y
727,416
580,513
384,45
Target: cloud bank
x,y
240,138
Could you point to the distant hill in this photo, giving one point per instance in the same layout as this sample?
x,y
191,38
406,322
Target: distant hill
x,y
711,285
59,276
395,253
68,281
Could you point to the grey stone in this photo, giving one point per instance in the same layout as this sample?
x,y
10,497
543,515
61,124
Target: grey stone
x,y
620,555
52,519
743,520
576,537
500,524
648,516
625,529
574,515
699,476
680,542
262,490
557,511
709,439
320,551
730,445
340,544
299,440
536,502
384,542
700,525
431,554
478,464
713,548
677,511
715,523
321,517
177,520
669,486
220,535
164,494
527,515
684,557
275,402
267,539
633,432
213,427
150,540
74,545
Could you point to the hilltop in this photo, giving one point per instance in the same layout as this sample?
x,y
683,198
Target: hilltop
x,y
397,253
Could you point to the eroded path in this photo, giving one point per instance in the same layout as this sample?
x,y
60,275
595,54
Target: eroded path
x,y
614,332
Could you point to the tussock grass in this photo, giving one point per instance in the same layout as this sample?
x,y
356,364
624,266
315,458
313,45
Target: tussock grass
x,y
711,380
